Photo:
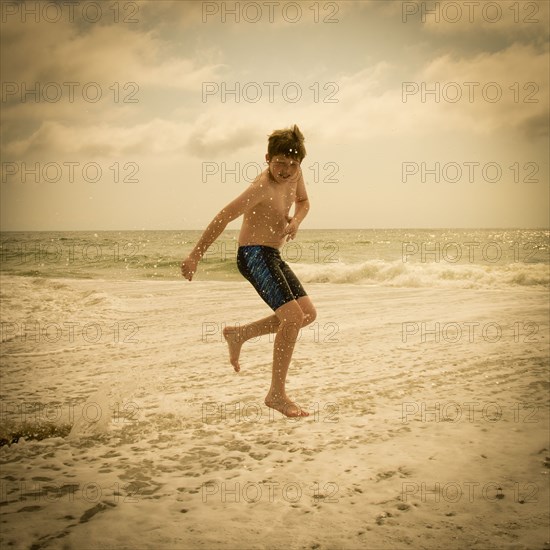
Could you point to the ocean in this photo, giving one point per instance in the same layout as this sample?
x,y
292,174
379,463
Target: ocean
x,y
462,258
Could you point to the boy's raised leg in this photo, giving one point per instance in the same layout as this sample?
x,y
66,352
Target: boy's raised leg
x,y
236,336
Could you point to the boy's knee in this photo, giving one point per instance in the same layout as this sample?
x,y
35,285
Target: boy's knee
x,y
294,319
290,312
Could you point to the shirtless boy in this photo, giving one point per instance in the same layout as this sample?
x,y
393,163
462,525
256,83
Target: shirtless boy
x,y
266,226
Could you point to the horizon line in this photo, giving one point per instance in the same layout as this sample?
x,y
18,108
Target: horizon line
x,y
302,229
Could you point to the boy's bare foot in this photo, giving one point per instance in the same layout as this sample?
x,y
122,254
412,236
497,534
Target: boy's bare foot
x,y
232,337
285,406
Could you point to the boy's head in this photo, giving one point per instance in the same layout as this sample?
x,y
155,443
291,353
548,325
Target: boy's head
x,y
288,142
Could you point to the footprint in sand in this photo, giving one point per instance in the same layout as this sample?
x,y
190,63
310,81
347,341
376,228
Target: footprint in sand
x,y
29,509
402,471
385,518
385,475
91,512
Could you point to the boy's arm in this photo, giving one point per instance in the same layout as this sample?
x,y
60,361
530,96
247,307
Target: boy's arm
x,y
249,198
301,208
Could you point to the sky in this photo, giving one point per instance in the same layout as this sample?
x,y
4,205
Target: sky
x,y
154,115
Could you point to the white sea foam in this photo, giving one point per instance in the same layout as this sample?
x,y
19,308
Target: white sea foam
x,y
402,274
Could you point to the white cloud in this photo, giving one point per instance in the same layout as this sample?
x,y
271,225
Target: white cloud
x,y
103,53
370,105
101,140
518,73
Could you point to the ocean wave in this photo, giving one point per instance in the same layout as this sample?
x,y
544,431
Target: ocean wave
x,y
408,274
373,272
52,298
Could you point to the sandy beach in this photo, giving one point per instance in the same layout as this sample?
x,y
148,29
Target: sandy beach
x,y
428,426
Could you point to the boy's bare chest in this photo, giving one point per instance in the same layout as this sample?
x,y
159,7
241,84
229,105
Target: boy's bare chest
x,y
280,200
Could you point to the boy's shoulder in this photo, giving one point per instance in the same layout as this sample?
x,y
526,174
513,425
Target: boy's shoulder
x,y
260,189
262,180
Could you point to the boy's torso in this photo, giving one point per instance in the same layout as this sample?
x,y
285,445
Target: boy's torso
x,y
264,223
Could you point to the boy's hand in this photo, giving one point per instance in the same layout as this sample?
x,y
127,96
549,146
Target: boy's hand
x,y
188,267
291,229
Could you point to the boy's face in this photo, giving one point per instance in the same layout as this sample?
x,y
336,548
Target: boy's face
x,y
282,168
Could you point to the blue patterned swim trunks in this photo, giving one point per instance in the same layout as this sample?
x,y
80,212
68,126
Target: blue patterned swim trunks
x,y
269,274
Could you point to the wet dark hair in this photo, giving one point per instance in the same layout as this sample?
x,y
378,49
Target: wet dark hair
x,y
288,142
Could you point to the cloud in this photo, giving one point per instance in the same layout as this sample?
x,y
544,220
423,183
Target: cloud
x,y
68,64
535,126
518,73
207,141
105,54
54,139
372,105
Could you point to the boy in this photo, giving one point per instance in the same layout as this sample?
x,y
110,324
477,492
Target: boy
x,y
266,227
